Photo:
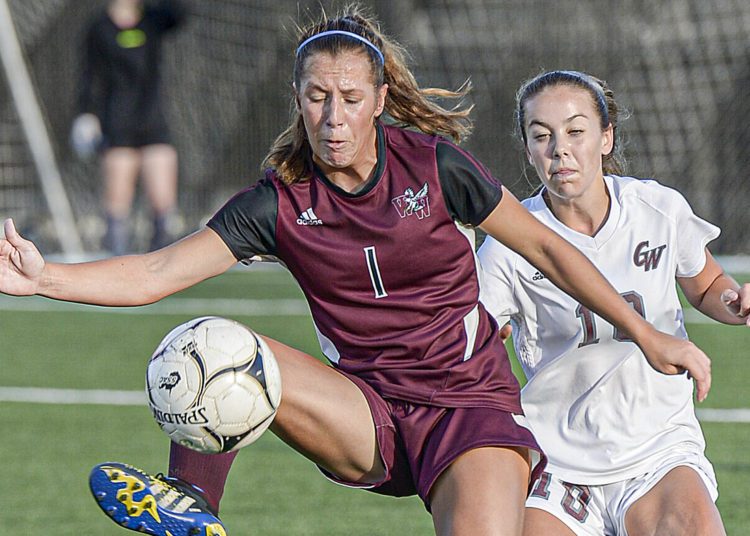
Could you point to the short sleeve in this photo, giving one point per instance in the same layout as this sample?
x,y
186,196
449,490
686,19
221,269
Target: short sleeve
x,y
470,191
497,275
247,222
167,14
693,234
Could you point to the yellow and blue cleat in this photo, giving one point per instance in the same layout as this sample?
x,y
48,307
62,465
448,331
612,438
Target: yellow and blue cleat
x,y
156,505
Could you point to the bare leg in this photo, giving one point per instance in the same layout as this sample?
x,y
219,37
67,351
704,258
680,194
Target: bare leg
x,y
540,523
482,493
316,400
160,176
160,182
121,166
679,505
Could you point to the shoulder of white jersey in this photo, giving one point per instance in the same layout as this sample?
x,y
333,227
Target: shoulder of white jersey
x,y
647,192
496,256
535,203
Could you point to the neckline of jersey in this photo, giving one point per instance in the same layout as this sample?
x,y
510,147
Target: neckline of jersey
x,y
376,174
603,234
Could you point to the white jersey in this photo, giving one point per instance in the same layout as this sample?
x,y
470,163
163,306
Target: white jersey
x,y
597,408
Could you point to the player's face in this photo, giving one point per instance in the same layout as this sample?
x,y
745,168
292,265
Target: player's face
x,y
565,141
339,103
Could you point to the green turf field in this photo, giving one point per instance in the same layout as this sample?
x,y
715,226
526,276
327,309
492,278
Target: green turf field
x,y
49,449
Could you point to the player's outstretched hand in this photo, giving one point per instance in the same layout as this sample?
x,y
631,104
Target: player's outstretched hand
x,y
21,264
671,355
737,302
506,331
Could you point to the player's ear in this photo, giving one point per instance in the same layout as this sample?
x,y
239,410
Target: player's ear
x,y
608,140
297,103
382,92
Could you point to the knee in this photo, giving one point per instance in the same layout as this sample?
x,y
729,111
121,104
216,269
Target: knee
x,y
679,524
697,518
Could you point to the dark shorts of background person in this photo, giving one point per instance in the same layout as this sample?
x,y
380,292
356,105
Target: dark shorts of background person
x,y
136,137
417,442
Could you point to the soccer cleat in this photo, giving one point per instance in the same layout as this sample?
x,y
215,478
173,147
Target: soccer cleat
x,y
156,505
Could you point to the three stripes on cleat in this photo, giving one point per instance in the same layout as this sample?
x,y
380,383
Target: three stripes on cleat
x,y
135,508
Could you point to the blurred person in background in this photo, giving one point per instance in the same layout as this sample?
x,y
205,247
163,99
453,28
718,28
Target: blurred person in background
x,y
121,116
626,451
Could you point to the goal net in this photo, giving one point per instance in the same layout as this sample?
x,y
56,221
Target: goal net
x,y
681,67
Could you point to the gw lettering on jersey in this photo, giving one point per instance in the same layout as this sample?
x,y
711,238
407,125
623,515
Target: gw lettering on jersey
x,y
648,258
308,217
413,203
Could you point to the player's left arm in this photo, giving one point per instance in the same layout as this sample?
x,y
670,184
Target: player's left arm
x,y
717,295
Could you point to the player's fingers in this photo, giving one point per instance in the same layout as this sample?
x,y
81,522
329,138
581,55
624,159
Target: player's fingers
x,y
505,332
737,303
11,234
729,296
8,227
5,247
18,242
700,370
744,300
702,387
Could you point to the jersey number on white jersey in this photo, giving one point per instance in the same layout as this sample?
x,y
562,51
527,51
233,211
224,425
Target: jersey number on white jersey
x,y
589,323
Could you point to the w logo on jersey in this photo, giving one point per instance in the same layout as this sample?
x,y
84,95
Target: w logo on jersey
x,y
648,258
413,203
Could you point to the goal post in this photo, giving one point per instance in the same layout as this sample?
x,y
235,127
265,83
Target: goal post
x,y
32,121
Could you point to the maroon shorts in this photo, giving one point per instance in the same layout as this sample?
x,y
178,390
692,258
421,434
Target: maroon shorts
x,y
417,442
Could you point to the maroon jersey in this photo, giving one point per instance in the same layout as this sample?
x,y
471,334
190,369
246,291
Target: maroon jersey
x,y
389,272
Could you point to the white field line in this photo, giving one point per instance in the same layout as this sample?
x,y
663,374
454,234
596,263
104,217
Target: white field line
x,y
206,306
40,395
199,306
171,306
724,415
36,395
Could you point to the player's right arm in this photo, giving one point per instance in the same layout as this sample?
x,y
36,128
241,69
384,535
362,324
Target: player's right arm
x,y
716,294
118,281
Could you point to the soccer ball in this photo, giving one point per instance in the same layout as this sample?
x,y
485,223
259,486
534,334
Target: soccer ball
x,y
213,385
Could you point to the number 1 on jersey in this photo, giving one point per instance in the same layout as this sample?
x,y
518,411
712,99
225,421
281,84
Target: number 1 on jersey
x,y
375,278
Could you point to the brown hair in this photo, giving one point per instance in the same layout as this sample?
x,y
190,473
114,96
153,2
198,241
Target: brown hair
x,y
406,104
604,102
